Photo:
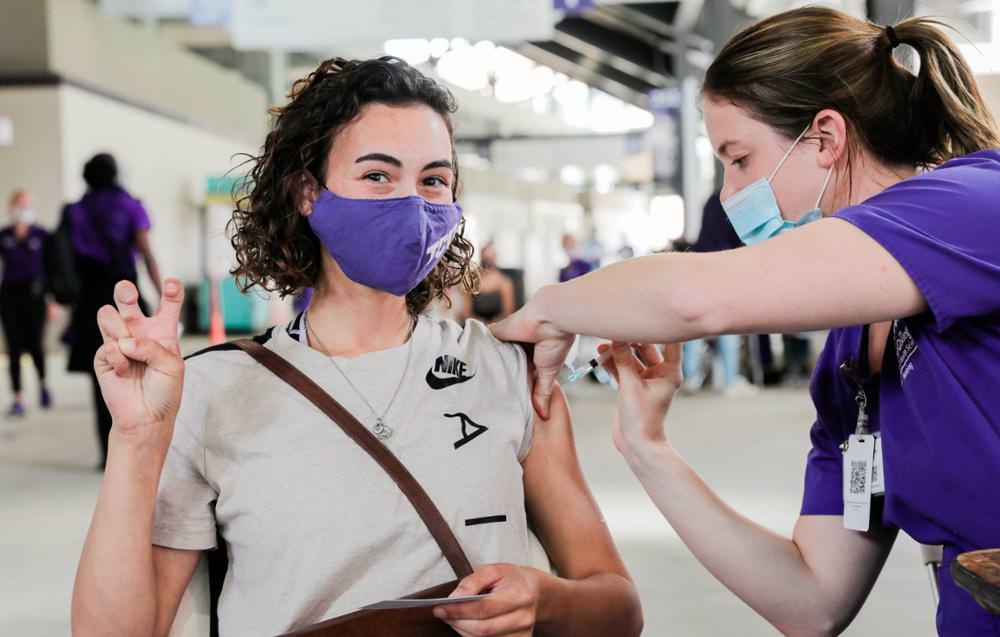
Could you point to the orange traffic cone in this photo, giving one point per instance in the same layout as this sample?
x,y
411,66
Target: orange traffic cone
x,y
216,324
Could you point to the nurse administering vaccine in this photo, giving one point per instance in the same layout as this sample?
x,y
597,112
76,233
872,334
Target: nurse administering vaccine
x,y
893,175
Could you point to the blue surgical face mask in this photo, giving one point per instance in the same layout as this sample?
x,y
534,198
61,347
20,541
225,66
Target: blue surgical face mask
x,y
754,210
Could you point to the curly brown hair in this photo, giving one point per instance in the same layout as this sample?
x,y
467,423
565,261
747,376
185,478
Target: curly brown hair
x,y
275,247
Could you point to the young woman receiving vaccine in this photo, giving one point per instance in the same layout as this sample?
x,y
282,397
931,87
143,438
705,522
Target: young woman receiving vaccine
x,y
354,195
877,190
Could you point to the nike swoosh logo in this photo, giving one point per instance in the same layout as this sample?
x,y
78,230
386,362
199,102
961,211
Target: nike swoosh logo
x,y
443,383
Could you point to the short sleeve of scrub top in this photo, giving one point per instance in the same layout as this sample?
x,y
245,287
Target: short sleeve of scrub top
x,y
942,226
823,493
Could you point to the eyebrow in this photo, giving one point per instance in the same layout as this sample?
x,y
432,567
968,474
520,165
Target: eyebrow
x,y
382,157
724,146
389,159
441,163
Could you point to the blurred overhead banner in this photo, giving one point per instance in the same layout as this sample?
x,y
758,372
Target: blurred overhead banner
x,y
664,137
301,25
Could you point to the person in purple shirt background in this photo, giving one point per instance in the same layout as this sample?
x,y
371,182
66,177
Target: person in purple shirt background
x,y
23,307
884,186
109,228
577,266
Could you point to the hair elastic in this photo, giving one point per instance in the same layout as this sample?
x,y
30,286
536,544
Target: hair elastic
x,y
893,38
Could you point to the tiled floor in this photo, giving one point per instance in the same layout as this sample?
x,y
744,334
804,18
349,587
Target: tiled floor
x,y
750,450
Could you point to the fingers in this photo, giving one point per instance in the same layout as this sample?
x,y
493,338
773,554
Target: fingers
x,y
515,624
541,395
548,358
127,301
109,356
672,354
148,351
626,363
111,324
507,611
171,300
503,329
480,580
649,355
487,608
609,364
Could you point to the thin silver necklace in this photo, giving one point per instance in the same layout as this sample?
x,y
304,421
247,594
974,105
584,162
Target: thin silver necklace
x,y
381,430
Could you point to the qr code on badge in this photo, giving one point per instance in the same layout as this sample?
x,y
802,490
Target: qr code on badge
x,y
859,471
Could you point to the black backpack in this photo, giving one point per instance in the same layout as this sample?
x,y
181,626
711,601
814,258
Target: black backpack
x,y
61,275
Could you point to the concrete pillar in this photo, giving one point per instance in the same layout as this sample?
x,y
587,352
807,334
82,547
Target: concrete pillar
x,y
277,75
888,12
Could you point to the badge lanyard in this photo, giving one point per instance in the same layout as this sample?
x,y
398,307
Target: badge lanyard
x,y
862,462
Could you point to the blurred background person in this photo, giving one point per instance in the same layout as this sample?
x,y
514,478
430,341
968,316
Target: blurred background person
x,y
626,251
495,299
593,250
716,234
22,296
109,227
578,265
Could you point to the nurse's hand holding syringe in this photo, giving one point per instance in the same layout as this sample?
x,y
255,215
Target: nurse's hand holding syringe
x,y
815,580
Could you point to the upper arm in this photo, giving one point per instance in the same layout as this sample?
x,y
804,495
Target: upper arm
x,y
172,569
844,563
561,509
142,242
826,274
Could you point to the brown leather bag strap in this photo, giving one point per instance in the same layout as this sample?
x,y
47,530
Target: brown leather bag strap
x,y
357,432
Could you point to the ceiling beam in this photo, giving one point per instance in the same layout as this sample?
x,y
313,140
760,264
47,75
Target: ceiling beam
x,y
609,57
586,73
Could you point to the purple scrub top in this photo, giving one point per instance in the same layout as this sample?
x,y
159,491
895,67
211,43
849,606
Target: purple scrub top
x,y
936,399
23,259
104,221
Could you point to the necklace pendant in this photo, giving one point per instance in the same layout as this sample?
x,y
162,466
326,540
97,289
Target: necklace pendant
x,y
382,432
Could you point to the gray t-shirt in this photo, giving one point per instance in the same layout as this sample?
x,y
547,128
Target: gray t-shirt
x,y
314,527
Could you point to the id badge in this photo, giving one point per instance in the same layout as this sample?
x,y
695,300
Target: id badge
x,y
858,481
878,468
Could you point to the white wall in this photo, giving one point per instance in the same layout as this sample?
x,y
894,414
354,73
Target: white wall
x,y
164,163
990,87
142,67
33,161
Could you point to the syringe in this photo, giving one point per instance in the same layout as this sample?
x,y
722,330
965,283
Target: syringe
x,y
577,373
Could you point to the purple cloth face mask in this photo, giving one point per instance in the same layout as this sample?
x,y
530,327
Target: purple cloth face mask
x,y
385,244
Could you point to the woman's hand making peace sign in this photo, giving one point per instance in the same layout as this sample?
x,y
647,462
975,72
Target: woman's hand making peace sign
x,y
139,367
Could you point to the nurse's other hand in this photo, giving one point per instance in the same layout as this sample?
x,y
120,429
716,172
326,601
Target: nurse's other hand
x,y
139,367
510,609
552,345
647,381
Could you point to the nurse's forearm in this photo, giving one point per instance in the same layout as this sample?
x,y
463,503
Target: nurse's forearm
x,y
766,570
648,299
828,274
